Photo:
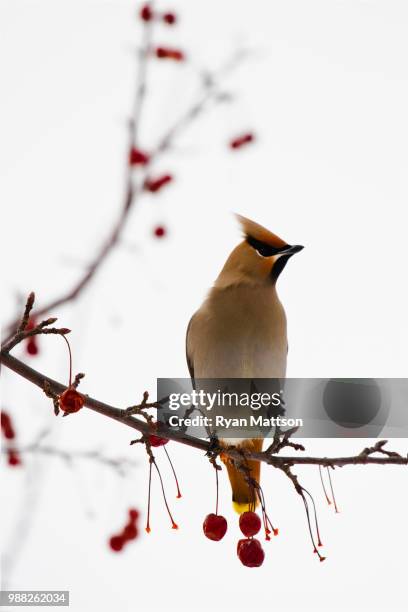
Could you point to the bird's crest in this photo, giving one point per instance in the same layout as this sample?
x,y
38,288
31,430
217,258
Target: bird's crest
x,y
259,234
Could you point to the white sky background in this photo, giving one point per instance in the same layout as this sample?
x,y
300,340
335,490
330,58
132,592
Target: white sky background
x,y
326,91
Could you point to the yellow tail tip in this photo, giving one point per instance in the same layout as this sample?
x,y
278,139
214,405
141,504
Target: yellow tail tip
x,y
240,508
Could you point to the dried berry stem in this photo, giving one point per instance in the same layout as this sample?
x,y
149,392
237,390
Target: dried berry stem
x,y
174,473
173,523
216,487
70,361
149,497
319,540
331,488
323,486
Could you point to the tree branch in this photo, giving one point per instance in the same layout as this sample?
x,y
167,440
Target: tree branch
x,y
122,416
208,91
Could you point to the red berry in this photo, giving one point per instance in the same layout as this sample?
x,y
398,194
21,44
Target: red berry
x,y
240,542
215,527
9,433
130,532
250,552
169,18
166,53
153,185
7,426
5,420
13,457
157,441
71,400
159,231
116,543
32,347
146,13
133,514
138,157
249,523
238,142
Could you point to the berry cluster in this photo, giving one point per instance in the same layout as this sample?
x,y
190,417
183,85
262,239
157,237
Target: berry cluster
x,y
249,549
8,431
147,14
128,533
153,186
137,156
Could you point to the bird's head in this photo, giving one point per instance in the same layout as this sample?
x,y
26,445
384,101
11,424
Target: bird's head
x,y
258,260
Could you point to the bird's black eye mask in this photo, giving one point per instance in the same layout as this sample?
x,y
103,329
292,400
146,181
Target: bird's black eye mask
x,y
266,250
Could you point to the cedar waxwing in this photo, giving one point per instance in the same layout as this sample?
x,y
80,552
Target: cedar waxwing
x,y
240,330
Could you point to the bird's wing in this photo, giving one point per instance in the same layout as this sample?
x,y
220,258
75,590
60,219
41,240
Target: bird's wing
x,y
189,359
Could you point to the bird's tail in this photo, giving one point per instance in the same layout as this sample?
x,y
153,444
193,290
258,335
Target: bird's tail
x,y
244,496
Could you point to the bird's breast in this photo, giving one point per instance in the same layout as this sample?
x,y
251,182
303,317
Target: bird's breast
x,y
240,332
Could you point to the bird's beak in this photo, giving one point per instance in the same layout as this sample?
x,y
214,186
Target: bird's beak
x,y
291,250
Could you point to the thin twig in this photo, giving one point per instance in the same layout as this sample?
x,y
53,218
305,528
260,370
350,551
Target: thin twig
x,y
120,465
208,92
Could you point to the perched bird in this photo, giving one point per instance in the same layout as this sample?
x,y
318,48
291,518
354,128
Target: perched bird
x,y
240,330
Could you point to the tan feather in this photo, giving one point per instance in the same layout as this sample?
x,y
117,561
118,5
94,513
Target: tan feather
x,y
244,497
250,228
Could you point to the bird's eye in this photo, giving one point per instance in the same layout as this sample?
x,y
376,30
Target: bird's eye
x,y
263,249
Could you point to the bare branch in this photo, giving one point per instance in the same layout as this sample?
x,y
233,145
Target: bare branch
x,y
23,332
143,427
28,307
120,465
208,92
378,448
281,439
